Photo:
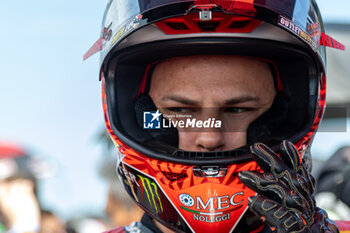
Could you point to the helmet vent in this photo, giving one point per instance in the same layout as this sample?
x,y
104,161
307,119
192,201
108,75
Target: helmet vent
x,y
178,26
208,155
240,24
172,176
208,26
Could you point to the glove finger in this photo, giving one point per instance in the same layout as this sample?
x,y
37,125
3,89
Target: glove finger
x,y
303,188
327,225
268,160
269,186
275,215
311,182
271,163
298,183
263,184
302,180
290,155
308,180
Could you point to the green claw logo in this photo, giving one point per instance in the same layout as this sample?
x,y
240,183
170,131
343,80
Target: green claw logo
x,y
151,190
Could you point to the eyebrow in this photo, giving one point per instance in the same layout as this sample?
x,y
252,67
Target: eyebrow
x,y
243,99
186,101
180,99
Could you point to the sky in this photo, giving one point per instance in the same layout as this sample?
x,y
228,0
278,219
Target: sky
x,y
335,10
51,100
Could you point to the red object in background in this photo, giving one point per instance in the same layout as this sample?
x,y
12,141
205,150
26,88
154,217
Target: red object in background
x,y
8,150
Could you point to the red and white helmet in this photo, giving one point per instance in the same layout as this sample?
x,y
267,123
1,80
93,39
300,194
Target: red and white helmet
x,y
16,162
191,191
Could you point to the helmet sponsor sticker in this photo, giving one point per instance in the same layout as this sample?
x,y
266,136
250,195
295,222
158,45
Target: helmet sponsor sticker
x,y
147,192
133,24
151,191
215,209
148,188
128,175
186,200
295,29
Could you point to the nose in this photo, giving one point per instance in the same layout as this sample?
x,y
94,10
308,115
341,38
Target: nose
x,y
210,141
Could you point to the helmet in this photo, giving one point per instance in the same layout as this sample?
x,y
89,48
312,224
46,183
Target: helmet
x,y
191,191
16,162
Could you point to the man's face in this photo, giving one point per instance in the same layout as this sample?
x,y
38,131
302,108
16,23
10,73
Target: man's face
x,y
235,90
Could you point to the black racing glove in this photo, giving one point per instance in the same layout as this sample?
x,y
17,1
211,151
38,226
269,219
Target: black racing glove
x,y
285,191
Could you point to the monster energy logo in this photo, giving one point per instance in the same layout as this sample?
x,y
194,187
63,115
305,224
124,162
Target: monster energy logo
x,y
151,192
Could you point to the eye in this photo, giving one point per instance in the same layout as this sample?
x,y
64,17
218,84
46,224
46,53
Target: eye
x,y
237,110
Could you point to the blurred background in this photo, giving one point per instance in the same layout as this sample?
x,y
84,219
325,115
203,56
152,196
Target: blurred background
x,y
51,100
51,103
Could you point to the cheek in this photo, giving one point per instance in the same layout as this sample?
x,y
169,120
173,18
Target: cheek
x,y
187,140
238,123
234,140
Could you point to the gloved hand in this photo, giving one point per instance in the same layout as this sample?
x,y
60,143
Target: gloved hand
x,y
285,191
